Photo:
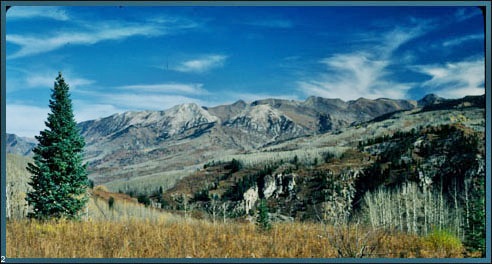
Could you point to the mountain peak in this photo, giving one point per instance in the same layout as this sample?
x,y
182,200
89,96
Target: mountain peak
x,y
185,107
239,103
185,116
429,99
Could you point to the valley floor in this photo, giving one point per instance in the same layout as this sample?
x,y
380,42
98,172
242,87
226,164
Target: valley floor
x,y
168,238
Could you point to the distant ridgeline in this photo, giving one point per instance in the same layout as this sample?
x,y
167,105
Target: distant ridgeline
x,y
186,136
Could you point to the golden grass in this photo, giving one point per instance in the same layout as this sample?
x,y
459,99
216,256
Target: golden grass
x,y
167,238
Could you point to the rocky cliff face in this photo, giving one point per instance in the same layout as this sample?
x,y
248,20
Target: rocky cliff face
x,y
275,186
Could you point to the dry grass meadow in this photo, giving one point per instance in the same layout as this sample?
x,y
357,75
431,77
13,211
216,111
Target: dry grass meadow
x,y
169,238
131,230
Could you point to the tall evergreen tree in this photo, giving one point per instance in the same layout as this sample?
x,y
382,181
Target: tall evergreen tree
x,y
59,178
475,231
263,220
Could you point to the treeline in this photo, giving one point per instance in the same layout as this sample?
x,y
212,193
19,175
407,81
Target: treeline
x,y
427,179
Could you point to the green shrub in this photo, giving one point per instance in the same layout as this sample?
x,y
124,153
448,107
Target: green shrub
x,y
203,196
111,202
444,242
234,166
144,199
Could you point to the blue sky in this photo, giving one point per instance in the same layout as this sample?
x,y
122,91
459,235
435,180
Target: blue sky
x,y
118,59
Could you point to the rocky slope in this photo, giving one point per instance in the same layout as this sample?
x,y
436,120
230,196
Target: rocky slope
x,y
187,135
426,170
126,146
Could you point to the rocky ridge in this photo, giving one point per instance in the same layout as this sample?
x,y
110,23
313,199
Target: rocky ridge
x,y
188,134
135,144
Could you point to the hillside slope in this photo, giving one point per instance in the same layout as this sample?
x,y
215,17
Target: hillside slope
x,y
436,153
137,144
164,146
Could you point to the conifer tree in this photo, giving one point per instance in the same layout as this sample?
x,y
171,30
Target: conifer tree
x,y
263,220
59,178
475,231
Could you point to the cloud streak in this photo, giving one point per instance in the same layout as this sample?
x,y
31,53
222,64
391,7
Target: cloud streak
x,y
460,40
363,73
201,64
25,120
455,79
30,12
84,110
273,23
32,45
355,75
251,97
89,34
158,96
171,88
463,14
149,101
30,78
47,80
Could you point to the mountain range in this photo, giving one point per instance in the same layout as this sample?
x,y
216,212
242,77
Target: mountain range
x,y
136,144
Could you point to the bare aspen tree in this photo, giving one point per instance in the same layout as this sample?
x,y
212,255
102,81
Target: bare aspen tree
x,y
87,209
400,214
389,209
414,196
467,201
441,206
434,217
214,205
457,213
425,213
185,203
224,212
368,199
7,203
407,207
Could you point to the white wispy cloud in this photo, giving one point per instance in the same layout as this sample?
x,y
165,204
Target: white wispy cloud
x,y
47,80
30,12
458,41
158,96
89,33
363,73
355,75
463,14
251,97
455,79
272,23
30,78
171,88
84,110
202,64
31,45
28,120
175,23
25,120
147,101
